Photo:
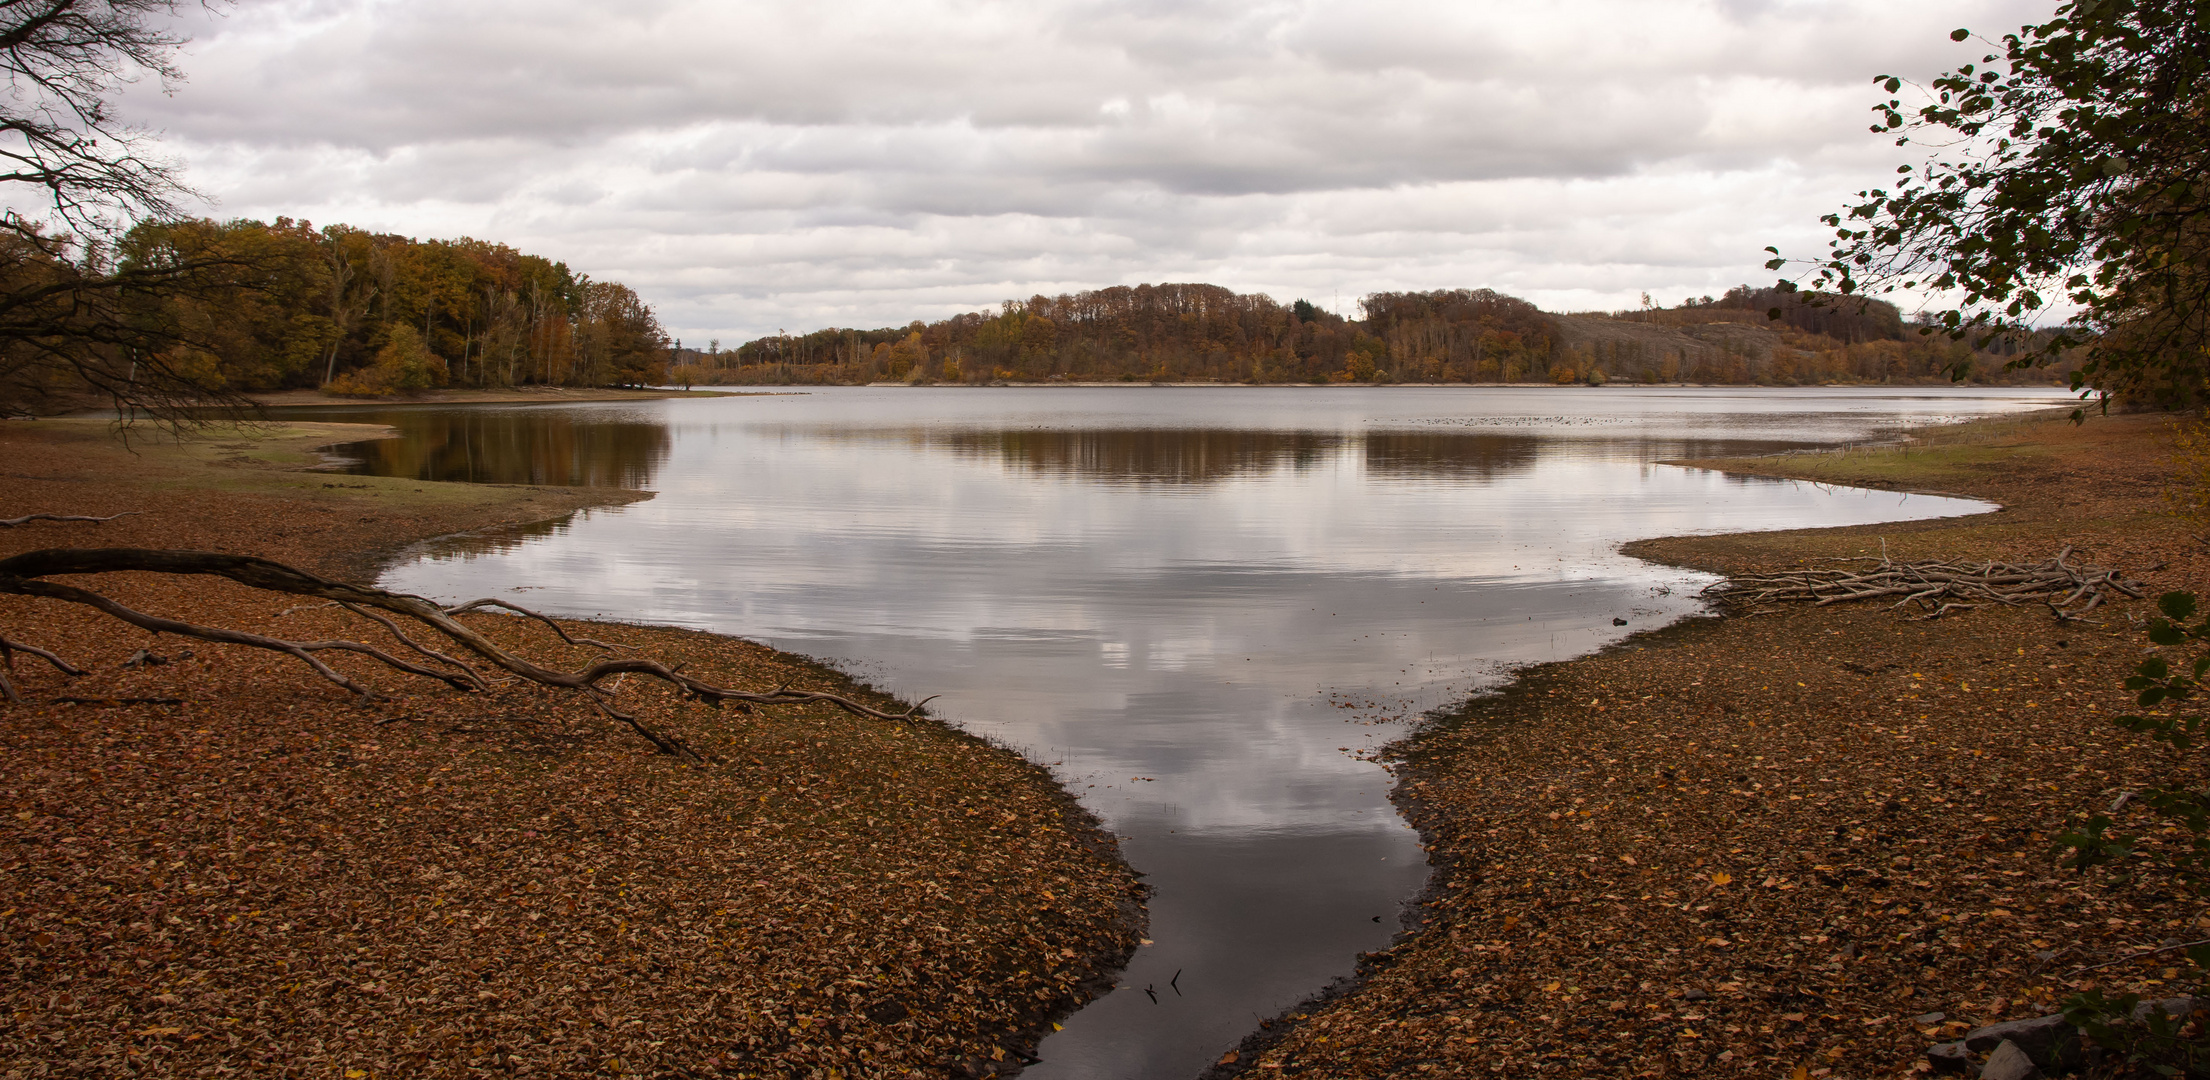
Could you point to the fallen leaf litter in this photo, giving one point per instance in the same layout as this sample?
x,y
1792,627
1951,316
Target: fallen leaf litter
x,y
1811,843
275,879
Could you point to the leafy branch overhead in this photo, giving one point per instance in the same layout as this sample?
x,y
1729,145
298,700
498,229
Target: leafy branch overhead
x,y
2071,171
26,574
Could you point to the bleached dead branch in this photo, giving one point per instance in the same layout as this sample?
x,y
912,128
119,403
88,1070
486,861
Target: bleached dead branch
x,y
1937,588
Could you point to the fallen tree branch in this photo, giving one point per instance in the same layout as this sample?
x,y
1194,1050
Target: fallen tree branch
x,y
304,650
8,649
23,575
1938,588
471,674
489,602
9,523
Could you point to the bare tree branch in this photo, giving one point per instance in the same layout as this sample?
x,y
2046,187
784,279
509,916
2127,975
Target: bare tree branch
x,y
473,675
23,575
488,602
304,650
1938,587
72,314
8,649
9,523
65,60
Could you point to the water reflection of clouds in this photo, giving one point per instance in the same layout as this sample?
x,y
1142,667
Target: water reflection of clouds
x,y
1233,600
1174,593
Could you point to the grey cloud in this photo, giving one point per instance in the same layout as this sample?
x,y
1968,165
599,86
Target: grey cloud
x,y
754,165
1542,96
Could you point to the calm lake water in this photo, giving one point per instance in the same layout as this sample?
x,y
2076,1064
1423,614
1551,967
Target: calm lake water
x,y
1204,608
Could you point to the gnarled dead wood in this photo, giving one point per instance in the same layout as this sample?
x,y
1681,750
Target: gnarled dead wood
x,y
304,650
8,649
488,602
385,621
24,575
1938,588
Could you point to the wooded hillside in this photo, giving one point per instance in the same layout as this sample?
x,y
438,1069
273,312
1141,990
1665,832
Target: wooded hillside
x,y
286,305
1180,332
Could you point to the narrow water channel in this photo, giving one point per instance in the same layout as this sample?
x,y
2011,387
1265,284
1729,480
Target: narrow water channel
x,y
1203,608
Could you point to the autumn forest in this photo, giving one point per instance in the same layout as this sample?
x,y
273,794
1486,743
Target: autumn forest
x,y
243,306
285,305
1208,333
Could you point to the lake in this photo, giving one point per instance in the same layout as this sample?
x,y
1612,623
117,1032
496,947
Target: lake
x,y
1205,608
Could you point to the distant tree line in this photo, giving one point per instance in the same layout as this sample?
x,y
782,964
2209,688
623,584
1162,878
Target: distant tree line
x,y
1206,333
1124,333
250,306
1816,339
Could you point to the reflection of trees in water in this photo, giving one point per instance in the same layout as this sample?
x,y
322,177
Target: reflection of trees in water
x,y
1187,456
1160,456
1683,449
515,447
1415,455
522,446
495,541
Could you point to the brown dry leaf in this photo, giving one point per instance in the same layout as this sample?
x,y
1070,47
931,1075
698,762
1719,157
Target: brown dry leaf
x,y
272,877
1902,820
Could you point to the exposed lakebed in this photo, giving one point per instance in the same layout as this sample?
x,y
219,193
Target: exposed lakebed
x,y
1205,608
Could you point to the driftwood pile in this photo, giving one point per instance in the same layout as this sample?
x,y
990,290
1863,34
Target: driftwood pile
x,y
1937,588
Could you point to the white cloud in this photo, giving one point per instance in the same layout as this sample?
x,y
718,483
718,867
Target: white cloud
x,y
750,166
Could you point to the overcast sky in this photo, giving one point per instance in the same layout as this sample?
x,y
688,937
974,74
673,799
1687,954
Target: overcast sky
x,y
751,166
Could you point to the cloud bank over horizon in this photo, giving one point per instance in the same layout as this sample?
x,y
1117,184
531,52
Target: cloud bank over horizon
x,y
750,167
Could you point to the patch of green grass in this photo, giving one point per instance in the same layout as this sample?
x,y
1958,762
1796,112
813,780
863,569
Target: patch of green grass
x,y
1931,457
274,459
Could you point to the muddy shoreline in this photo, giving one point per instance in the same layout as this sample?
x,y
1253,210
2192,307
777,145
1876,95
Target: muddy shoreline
x,y
1619,888
535,395
926,900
